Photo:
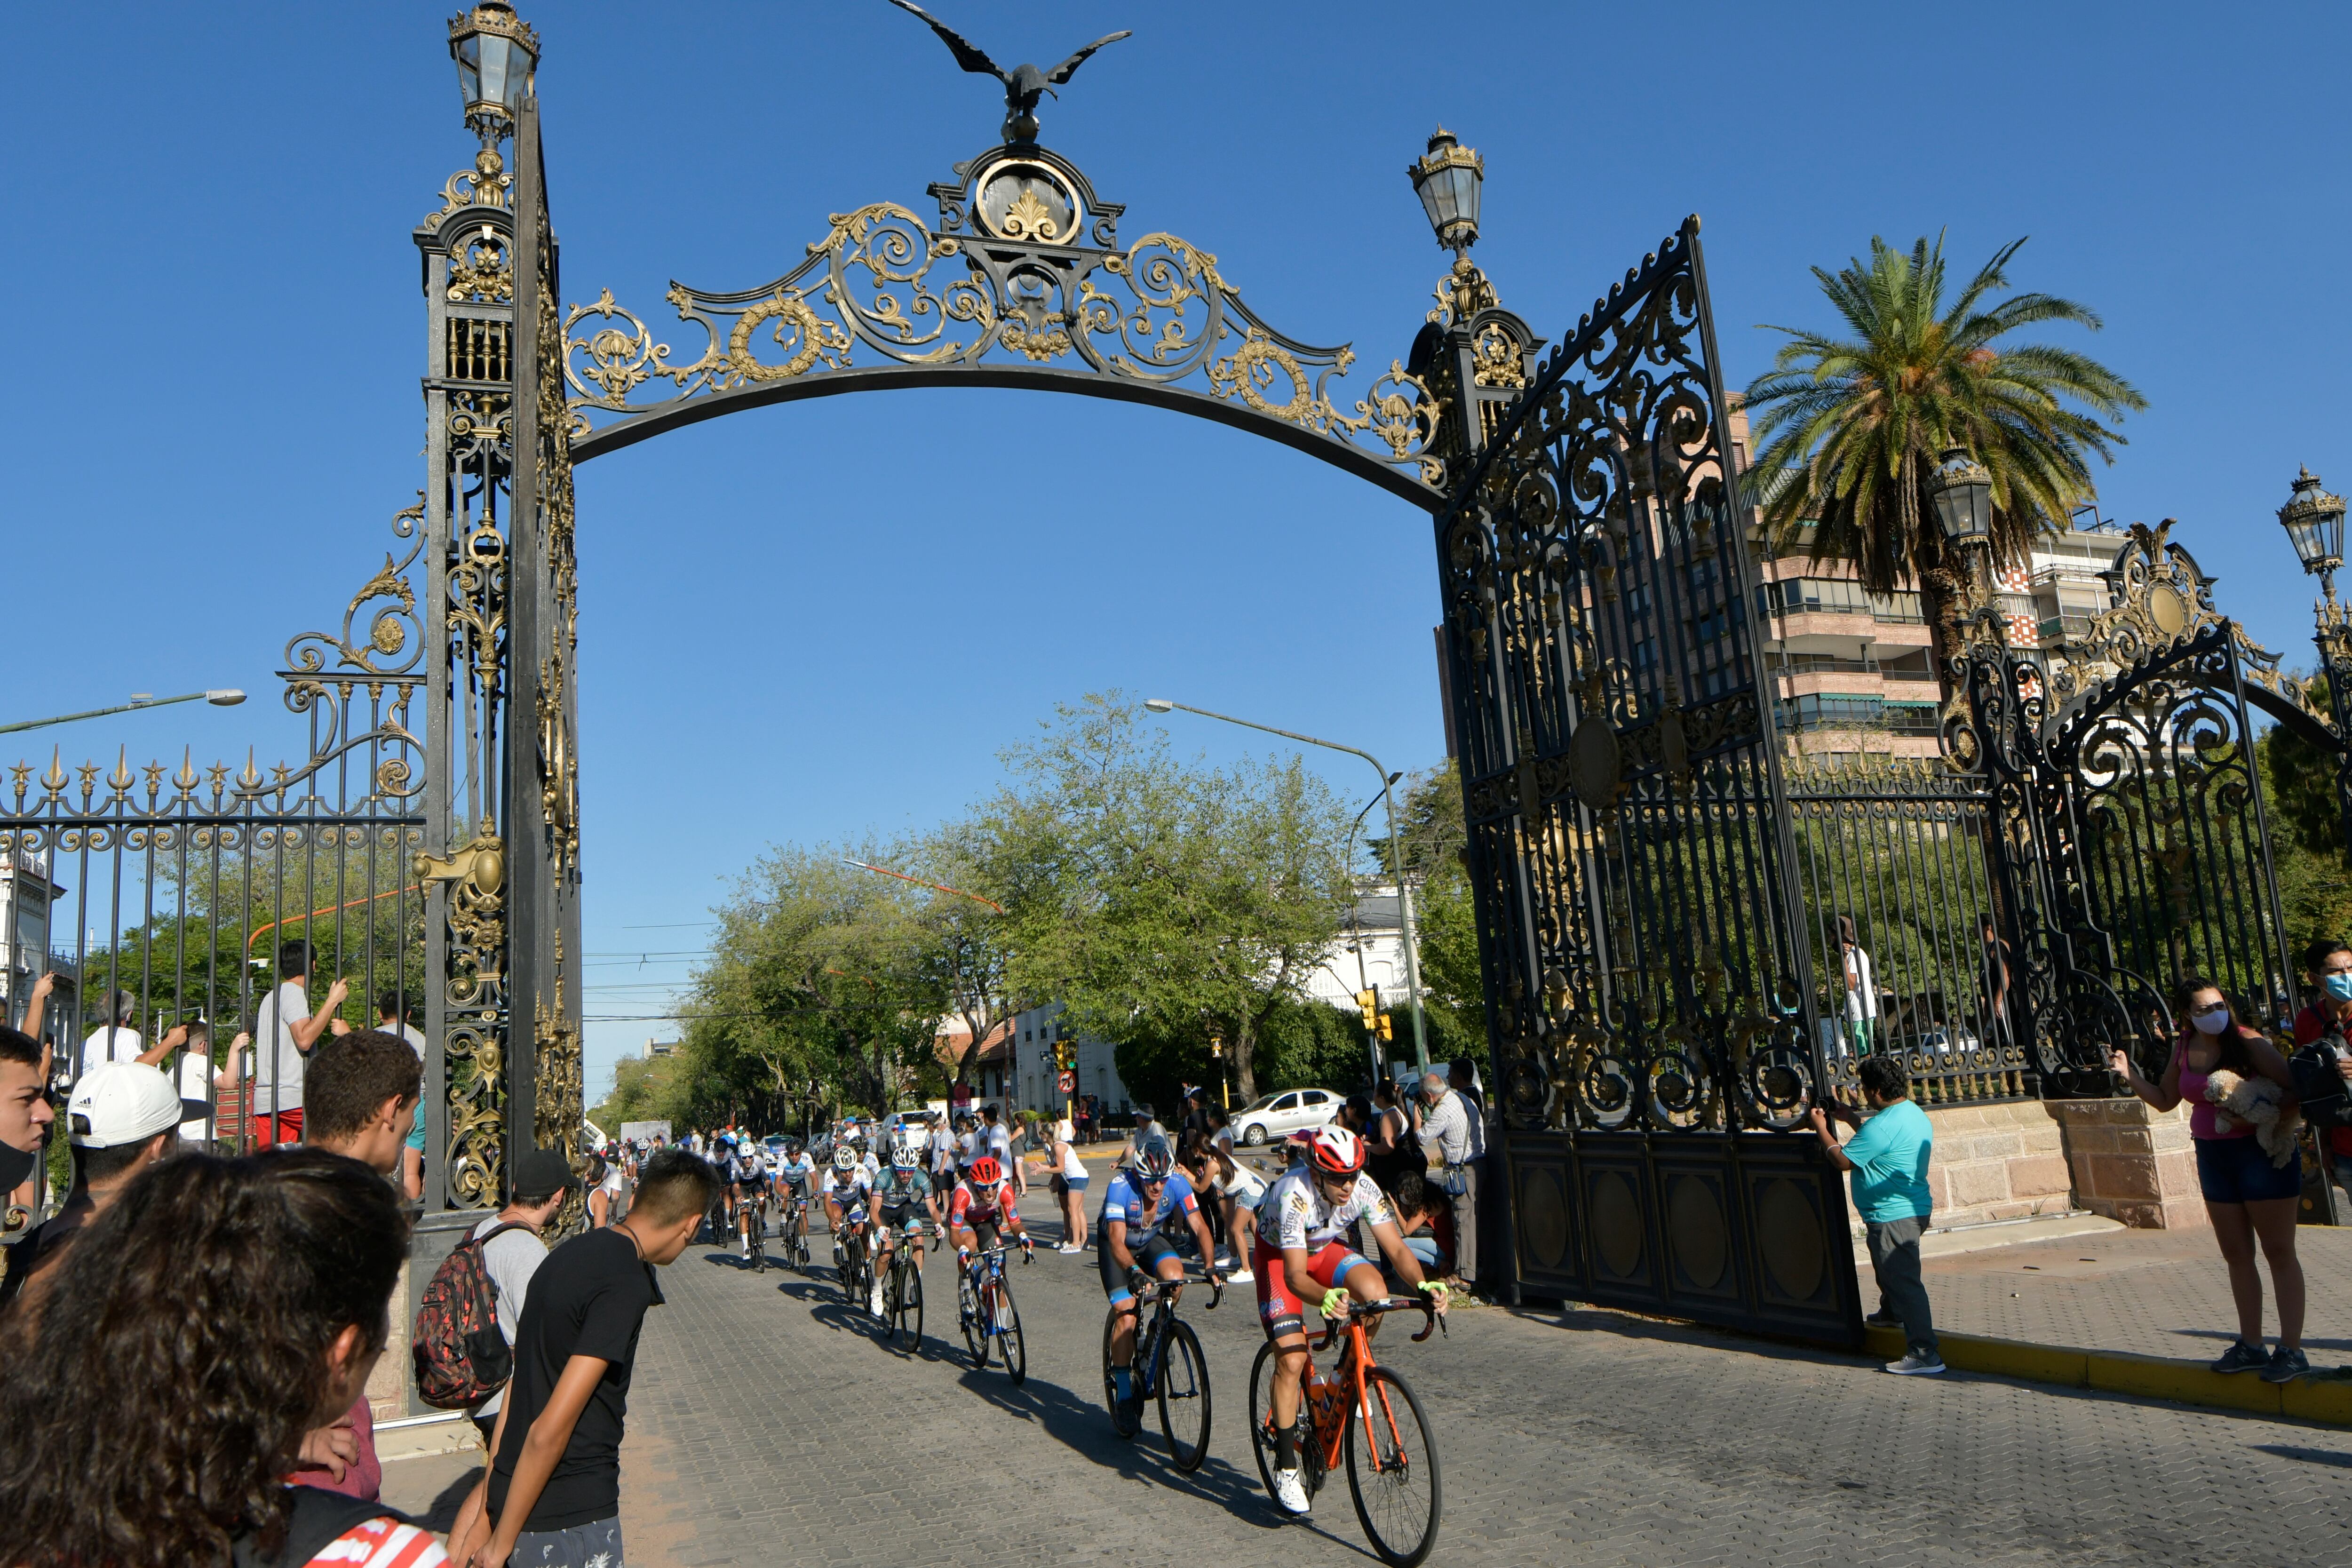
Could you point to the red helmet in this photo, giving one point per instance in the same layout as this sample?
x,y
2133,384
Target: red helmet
x,y
986,1171
1335,1151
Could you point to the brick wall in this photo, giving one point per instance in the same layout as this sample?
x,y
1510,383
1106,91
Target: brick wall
x,y
2112,1157
2132,1162
1997,1162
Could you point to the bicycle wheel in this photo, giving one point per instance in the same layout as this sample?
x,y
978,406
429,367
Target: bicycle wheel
x,y
975,1326
1118,1421
1261,1414
910,1307
1397,1493
1183,1376
1016,1350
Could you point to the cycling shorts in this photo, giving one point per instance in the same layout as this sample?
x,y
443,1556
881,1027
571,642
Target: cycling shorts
x,y
1148,1249
1277,1309
903,1217
984,1232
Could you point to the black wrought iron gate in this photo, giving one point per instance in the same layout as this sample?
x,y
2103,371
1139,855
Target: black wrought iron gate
x,y
1629,842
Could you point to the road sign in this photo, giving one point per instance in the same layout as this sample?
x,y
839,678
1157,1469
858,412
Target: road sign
x,y
1067,1083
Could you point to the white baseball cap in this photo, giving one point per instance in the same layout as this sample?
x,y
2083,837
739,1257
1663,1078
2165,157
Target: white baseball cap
x,y
116,1103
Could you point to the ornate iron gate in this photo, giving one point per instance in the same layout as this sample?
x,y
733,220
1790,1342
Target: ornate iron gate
x,y
1649,993
2135,835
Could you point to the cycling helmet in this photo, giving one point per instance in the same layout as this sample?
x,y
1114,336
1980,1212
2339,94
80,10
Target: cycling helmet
x,y
902,1155
1335,1151
986,1171
1153,1161
845,1158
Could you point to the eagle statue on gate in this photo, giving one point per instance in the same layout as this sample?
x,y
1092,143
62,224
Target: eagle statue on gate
x,y
1023,85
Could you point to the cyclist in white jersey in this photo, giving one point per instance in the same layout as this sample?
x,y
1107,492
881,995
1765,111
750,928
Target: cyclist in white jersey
x,y
846,1188
1301,1257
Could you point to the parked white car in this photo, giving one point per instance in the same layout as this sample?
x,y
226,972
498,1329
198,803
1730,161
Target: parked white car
x,y
1272,1116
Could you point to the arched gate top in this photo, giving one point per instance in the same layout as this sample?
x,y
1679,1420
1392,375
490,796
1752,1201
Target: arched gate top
x,y
1021,281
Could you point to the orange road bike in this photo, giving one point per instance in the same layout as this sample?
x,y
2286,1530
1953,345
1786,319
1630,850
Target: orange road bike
x,y
1367,1413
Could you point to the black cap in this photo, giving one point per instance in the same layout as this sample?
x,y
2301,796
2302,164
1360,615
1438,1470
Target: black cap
x,y
540,1173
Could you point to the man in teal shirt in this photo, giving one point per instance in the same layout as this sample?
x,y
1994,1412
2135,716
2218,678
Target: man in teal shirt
x,y
1888,1157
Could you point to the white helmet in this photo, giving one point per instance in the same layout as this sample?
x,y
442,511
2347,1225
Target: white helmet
x,y
845,1158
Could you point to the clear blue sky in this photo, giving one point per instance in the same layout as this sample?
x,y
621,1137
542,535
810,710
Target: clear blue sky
x,y
819,620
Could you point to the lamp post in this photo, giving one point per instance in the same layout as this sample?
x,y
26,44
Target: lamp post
x,y
1396,854
224,697
2313,520
496,51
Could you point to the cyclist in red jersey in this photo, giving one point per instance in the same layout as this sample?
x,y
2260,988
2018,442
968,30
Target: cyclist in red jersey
x,y
981,1208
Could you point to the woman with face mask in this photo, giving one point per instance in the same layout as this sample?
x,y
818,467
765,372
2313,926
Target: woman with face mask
x,y
2248,1197
2330,963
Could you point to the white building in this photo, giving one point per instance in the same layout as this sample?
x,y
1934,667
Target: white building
x,y
26,897
1032,1071
1370,954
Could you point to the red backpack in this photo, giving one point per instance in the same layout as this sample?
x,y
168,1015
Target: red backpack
x,y
462,1357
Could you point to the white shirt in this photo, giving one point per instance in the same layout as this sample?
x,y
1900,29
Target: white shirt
x,y
1071,1164
997,1140
1861,995
278,1057
1301,1217
115,1044
195,1083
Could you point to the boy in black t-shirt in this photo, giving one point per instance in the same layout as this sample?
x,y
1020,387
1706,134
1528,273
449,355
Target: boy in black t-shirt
x,y
554,1485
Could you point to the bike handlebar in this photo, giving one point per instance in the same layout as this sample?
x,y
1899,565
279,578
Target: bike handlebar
x,y
1427,1305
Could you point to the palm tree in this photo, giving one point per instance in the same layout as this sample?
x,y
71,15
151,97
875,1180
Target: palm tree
x,y
1852,429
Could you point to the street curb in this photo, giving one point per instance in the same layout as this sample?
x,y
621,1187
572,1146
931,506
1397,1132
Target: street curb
x,y
2147,1376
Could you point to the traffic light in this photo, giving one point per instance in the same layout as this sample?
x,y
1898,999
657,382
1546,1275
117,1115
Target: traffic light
x,y
1387,1033
1369,1000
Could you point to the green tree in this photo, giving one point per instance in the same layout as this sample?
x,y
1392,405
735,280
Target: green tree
x,y
2306,825
1158,896
1453,987
1850,429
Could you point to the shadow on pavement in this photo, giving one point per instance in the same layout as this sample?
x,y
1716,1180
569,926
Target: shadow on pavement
x,y
2309,1343
1084,1427
2308,1455
444,1511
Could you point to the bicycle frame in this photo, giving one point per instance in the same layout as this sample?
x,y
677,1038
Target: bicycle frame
x,y
1155,1295
1358,1358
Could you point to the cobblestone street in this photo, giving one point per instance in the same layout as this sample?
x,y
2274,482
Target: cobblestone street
x,y
769,1424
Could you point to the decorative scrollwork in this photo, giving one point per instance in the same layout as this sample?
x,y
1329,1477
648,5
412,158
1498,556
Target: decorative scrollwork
x,y
1007,274
485,185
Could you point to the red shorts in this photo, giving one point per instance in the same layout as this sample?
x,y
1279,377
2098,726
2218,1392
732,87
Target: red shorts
x,y
285,1127
1277,1309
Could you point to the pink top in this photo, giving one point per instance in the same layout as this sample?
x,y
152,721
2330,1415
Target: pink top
x,y
2192,1088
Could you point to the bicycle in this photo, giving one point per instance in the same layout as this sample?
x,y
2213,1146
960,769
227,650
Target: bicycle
x,y
792,1229
856,1276
752,1227
1169,1367
902,1292
1397,1475
985,1307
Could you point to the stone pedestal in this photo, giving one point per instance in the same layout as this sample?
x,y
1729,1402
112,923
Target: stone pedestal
x,y
1998,1162
2131,1163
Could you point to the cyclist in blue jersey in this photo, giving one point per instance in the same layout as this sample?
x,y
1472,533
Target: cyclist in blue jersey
x,y
1146,1195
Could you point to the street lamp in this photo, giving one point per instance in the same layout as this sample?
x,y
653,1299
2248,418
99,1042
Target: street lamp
x,y
496,52
1962,489
2314,521
225,698
1396,853
1447,179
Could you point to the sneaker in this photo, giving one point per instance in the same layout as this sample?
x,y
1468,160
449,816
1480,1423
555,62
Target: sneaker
x,y
2242,1357
1918,1364
1241,1277
2286,1366
1290,1492
1066,1249
1883,1320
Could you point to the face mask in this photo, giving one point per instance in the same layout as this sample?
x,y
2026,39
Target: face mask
x,y
2338,986
15,1165
2212,1022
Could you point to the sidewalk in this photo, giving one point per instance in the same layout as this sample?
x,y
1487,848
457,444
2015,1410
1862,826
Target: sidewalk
x,y
2148,1292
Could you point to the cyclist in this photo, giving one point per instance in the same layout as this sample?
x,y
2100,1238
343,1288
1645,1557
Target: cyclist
x,y
721,1153
846,1189
1301,1257
899,1201
747,1178
793,1173
981,1210
1129,1247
